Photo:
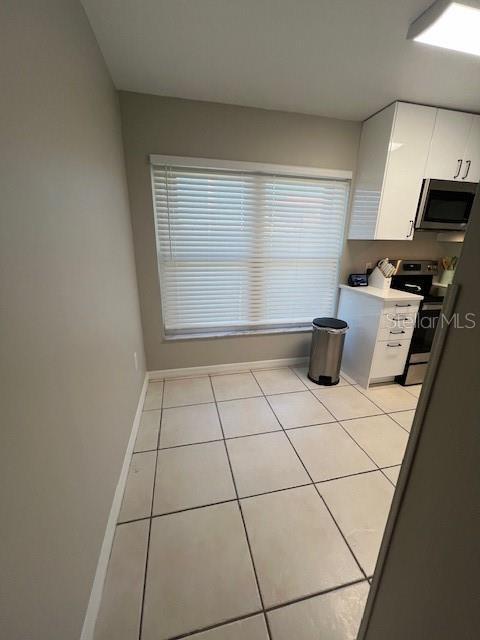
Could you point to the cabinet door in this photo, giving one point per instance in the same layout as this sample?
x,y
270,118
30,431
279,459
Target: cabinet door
x,y
407,156
447,151
471,166
370,174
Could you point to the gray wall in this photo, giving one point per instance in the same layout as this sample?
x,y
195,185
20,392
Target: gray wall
x,y
69,318
429,586
153,124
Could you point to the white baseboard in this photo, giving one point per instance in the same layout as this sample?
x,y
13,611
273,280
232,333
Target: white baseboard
x,y
101,572
188,372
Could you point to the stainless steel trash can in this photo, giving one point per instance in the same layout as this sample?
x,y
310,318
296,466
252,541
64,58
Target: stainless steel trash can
x,y
326,350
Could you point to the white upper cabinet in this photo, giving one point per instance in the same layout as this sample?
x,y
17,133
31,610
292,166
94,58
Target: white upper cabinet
x,y
447,160
393,153
399,147
471,167
408,152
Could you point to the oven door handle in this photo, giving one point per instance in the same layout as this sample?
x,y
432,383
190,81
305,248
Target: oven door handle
x,y
431,307
417,287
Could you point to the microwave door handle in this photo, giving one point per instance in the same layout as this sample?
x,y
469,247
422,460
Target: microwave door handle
x,y
459,168
468,163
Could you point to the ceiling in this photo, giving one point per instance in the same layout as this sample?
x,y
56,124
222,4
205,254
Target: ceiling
x,y
340,58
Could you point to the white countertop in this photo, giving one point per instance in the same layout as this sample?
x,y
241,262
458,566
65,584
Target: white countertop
x,y
392,295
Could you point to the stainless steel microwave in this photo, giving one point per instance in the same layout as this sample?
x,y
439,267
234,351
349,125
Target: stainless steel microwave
x,y
445,205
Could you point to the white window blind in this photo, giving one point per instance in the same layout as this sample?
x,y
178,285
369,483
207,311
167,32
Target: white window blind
x,y
246,251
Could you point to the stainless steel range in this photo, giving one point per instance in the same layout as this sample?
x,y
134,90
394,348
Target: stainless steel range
x,y
416,276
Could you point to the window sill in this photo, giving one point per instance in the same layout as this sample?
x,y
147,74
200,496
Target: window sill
x,y
236,334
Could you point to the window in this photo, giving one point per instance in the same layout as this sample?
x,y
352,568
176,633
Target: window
x,y
243,250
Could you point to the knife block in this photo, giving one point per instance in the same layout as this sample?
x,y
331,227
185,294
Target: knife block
x,y
378,280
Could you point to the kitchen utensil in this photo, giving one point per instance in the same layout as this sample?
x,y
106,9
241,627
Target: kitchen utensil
x,y
386,268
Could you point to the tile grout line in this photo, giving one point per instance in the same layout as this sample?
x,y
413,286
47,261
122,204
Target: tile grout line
x,y
258,395
261,433
252,372
256,495
358,445
336,386
216,625
323,592
142,608
342,387
241,514
368,455
400,425
383,412
348,384
264,609
284,393
338,422
387,413
320,495
406,387
237,499
270,609
264,395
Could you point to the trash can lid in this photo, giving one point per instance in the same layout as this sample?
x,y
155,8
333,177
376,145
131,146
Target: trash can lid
x,y
330,323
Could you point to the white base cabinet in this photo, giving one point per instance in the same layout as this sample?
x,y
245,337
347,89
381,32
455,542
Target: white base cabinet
x,y
380,331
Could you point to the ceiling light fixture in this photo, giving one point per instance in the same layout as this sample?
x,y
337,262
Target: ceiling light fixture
x,y
451,25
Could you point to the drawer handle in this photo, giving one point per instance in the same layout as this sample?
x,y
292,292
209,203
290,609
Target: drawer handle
x,y
394,345
397,318
403,305
396,333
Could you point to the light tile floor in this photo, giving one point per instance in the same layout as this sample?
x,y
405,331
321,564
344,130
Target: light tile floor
x,y
254,508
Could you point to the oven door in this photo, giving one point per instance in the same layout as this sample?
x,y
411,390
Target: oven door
x,y
445,205
424,332
421,344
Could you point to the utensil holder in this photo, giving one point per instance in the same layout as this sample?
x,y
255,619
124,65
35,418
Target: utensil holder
x,y
377,279
447,276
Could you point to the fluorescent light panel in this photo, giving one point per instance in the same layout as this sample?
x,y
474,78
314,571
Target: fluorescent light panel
x,y
450,25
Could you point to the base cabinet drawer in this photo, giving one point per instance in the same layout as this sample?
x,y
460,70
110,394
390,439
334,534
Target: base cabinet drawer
x,y
401,307
389,358
398,320
393,333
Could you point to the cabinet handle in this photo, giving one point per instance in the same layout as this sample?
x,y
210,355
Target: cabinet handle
x,y
412,222
394,345
468,163
459,168
396,333
403,305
